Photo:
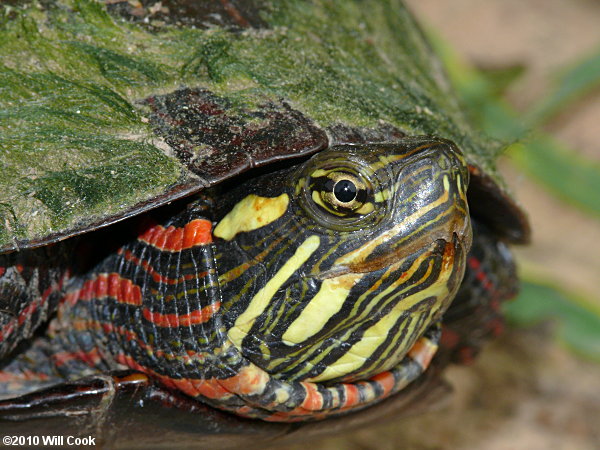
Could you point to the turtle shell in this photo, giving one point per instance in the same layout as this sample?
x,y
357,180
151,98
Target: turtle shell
x,y
115,108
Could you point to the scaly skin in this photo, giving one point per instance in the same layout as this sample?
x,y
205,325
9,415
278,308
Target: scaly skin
x,y
30,287
472,319
212,311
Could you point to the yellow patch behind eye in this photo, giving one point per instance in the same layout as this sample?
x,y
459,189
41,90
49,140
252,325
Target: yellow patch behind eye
x,y
251,213
317,199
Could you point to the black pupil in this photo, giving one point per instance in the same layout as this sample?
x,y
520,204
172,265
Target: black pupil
x,y
344,191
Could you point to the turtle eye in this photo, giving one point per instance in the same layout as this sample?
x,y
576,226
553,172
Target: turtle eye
x,y
340,192
337,190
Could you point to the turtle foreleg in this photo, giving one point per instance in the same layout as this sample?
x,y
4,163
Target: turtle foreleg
x,y
31,283
44,363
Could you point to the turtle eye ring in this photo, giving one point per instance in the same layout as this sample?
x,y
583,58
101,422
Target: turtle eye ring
x,y
338,192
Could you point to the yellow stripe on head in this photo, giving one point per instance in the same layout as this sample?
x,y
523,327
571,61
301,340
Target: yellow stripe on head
x,y
263,297
322,307
362,252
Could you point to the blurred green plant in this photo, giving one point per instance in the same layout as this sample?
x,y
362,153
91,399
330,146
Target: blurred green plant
x,y
561,170
578,326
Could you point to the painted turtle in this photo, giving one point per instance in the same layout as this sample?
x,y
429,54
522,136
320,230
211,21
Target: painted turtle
x,y
326,231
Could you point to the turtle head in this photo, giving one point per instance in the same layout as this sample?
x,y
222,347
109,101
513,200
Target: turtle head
x,y
335,268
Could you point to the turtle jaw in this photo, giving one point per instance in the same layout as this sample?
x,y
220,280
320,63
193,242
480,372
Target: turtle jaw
x,y
461,243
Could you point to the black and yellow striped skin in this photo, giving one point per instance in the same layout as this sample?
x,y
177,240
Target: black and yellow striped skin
x,y
288,309
349,257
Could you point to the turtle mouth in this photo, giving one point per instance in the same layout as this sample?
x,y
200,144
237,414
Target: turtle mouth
x,y
446,243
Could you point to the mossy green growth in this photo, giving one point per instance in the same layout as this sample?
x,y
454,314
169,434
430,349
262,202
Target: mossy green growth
x,y
76,146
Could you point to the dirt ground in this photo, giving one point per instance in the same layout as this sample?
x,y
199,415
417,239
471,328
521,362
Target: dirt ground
x,y
525,391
